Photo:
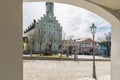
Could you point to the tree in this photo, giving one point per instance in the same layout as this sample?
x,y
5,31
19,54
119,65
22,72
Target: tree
x,y
31,44
106,41
32,37
51,40
60,47
70,50
40,37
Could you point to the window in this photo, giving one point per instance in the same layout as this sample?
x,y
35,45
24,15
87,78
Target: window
x,y
53,40
44,25
43,39
25,39
44,32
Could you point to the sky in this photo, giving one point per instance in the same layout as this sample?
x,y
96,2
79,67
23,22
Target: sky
x,y
75,21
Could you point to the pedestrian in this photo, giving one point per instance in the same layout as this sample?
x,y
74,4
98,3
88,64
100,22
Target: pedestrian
x,y
76,55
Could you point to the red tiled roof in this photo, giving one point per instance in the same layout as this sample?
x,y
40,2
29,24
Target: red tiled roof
x,y
88,40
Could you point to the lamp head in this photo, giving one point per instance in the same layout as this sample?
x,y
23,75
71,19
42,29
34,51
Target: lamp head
x,y
93,28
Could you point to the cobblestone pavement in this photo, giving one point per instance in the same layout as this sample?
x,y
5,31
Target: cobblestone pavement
x,y
64,70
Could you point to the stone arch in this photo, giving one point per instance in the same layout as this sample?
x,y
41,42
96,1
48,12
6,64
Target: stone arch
x,y
114,21
11,39
86,5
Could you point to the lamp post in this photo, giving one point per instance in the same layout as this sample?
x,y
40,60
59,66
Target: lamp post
x,y
93,30
31,45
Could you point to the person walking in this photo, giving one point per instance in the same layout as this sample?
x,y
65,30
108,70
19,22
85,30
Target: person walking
x,y
76,55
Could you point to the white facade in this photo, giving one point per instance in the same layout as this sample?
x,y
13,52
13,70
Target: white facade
x,y
47,32
84,45
66,44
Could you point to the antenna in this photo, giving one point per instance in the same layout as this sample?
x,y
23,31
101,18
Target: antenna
x,y
64,35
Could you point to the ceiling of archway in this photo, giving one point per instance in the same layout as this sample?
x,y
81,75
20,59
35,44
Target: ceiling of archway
x,y
112,4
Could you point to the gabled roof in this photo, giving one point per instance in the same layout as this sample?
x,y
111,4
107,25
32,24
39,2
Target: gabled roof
x,y
88,40
84,40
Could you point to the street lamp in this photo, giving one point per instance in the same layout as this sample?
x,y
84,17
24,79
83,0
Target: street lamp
x,y
31,45
93,30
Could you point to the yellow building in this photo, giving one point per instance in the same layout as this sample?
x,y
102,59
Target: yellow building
x,y
66,44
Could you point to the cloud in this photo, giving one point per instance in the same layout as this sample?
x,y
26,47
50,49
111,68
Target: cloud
x,y
75,21
32,10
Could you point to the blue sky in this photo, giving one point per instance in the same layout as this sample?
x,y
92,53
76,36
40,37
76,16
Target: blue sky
x,y
75,21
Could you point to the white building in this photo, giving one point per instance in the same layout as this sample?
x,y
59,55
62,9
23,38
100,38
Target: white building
x,y
66,44
46,32
84,45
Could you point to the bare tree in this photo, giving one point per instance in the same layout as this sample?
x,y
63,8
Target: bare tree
x,y
106,41
70,48
32,37
60,47
51,40
40,37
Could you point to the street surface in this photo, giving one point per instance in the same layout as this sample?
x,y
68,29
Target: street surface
x,y
64,70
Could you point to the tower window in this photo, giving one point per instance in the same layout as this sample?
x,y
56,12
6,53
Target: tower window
x,y
49,32
44,32
25,39
44,25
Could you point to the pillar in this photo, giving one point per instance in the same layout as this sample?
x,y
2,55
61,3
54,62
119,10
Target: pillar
x,y
11,40
115,51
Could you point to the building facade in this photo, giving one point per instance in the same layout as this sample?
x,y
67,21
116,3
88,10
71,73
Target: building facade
x,y
67,44
84,45
101,49
46,33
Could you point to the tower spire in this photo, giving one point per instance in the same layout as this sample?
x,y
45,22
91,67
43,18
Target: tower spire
x,y
50,8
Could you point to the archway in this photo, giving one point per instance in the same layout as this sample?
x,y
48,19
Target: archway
x,y
110,18
11,39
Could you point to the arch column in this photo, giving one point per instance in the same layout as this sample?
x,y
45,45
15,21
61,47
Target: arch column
x,y
11,66
115,51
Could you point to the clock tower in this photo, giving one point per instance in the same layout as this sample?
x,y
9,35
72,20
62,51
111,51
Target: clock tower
x,y
49,8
